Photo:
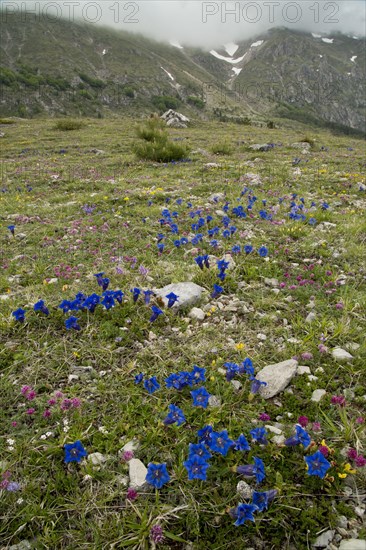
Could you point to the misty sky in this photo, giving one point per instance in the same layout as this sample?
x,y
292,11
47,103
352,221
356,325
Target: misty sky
x,y
206,23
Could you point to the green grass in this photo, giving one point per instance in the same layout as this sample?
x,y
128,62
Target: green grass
x,y
81,203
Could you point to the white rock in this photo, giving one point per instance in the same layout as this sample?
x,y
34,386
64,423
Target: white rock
x,y
197,314
340,354
188,293
72,378
324,539
310,317
277,377
244,490
237,385
261,336
317,395
271,282
353,544
312,378
301,369
214,401
215,197
4,297
273,429
97,459
279,439
131,446
137,473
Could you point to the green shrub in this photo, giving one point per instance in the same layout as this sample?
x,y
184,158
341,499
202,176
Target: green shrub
x,y
223,148
160,151
196,102
7,121
165,102
66,125
154,130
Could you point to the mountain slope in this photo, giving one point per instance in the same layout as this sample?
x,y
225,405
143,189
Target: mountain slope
x,y
64,68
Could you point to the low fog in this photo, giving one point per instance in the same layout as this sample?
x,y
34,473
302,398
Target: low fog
x,y
204,23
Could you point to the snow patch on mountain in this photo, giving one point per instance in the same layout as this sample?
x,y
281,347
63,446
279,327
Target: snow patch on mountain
x,y
231,48
353,58
176,45
328,40
236,70
228,59
256,44
170,76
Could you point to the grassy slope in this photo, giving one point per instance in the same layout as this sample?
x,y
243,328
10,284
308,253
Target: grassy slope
x,y
61,508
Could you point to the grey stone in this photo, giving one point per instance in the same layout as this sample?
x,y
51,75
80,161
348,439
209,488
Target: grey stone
x,y
244,490
310,317
188,293
215,197
197,314
271,282
324,539
22,545
342,522
237,385
353,544
301,369
97,459
317,395
340,354
137,473
277,377
83,372
131,446
214,401
279,439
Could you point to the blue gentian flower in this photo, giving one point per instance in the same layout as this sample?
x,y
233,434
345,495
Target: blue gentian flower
x,y
226,234
259,435
232,369
12,229
105,283
19,314
317,464
209,219
151,384
179,201
198,375
247,367
256,384
72,322
256,470
155,313
301,437
220,442
222,275
135,294
199,261
147,296
139,378
312,221
157,475
108,301
262,499
177,243
241,444
243,513
263,251
160,247
200,397
40,306
99,277
184,241
204,434
91,302
217,290
175,415
236,249
172,298
160,237
200,450
222,265
74,452
196,467
214,243
65,306
118,295
248,249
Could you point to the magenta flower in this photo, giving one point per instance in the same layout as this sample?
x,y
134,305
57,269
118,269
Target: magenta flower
x,y
127,455
131,494
317,427
338,400
360,461
30,411
360,420
303,421
264,417
306,355
352,454
324,450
